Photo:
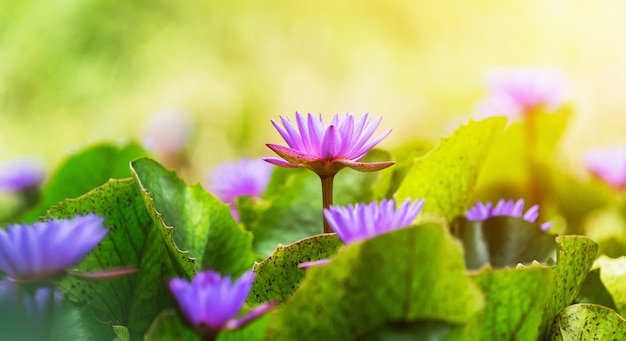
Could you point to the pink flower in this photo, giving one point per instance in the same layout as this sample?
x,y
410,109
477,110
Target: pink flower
x,y
608,164
514,92
326,149
509,208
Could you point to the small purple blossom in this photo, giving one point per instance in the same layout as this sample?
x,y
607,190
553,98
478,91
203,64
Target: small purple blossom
x,y
509,208
168,132
359,222
608,164
326,149
34,252
514,92
21,175
246,177
211,302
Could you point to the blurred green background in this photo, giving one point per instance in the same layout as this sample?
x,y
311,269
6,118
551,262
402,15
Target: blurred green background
x,y
77,72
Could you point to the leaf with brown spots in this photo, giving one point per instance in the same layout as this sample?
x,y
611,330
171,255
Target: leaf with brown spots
x,y
588,322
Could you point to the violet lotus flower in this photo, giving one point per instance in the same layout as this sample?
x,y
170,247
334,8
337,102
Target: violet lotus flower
x,y
44,249
509,208
21,175
210,302
358,222
608,164
515,92
246,177
326,149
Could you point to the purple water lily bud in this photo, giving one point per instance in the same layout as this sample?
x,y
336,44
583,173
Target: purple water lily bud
x,y
360,221
210,302
21,175
510,208
326,149
37,251
608,164
515,92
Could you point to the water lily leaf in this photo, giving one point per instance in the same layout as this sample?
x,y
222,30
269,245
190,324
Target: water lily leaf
x,y
391,178
289,211
589,197
588,322
575,256
202,225
613,276
134,240
593,290
409,274
420,330
84,171
503,241
446,176
607,227
122,333
511,148
255,331
278,275
515,301
168,326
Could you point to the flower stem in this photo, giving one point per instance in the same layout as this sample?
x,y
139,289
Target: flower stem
x,y
327,198
531,156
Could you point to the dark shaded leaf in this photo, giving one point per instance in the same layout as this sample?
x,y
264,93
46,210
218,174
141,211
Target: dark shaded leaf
x,y
593,291
503,241
612,271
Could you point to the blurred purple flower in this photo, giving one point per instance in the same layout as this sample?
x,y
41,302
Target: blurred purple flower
x,y
21,175
514,92
34,252
211,302
509,208
608,164
359,222
168,132
246,177
326,149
